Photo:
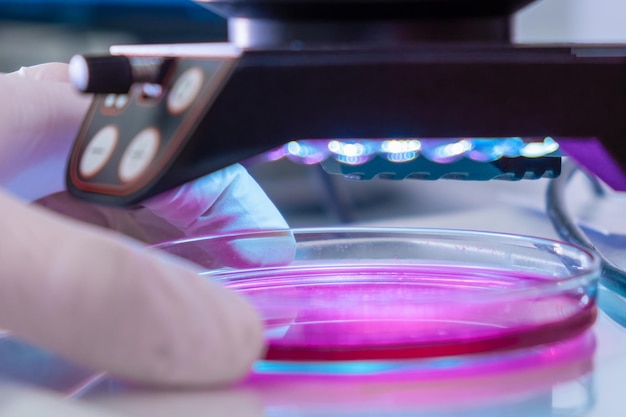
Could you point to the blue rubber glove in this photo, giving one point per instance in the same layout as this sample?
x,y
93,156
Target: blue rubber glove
x,y
94,295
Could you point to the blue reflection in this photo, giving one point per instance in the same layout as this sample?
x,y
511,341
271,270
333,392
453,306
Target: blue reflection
x,y
379,367
327,368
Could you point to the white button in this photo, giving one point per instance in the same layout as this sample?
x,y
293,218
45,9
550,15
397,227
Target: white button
x,y
185,90
98,151
109,101
151,91
121,101
139,154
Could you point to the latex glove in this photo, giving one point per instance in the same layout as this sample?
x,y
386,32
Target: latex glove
x,y
96,297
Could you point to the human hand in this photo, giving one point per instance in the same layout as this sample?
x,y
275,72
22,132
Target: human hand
x,y
94,296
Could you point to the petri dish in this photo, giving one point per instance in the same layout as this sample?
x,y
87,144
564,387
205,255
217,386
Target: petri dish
x,y
389,294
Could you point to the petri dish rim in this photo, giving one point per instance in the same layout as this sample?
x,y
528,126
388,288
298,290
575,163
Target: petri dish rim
x,y
586,275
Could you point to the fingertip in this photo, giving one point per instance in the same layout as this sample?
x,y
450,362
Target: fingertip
x,y
217,346
246,331
52,71
228,200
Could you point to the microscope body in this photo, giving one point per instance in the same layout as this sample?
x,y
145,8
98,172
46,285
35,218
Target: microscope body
x,y
166,114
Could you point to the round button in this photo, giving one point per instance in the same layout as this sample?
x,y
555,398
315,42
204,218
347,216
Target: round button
x,y
98,151
139,154
121,101
185,90
109,101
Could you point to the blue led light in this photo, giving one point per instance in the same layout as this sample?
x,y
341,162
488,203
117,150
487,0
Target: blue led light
x,y
454,150
486,150
400,146
538,149
399,151
511,146
352,148
446,151
353,152
346,149
306,152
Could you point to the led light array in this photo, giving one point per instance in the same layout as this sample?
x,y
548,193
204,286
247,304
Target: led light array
x,y
357,152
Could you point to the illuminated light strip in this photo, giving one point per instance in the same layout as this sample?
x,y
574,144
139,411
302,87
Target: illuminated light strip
x,y
357,152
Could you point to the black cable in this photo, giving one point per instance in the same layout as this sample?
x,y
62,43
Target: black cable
x,y
613,277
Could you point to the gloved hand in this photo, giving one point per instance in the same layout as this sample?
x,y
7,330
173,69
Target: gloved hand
x,y
95,296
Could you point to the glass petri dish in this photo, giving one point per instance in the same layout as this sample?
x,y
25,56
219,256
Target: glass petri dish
x,y
381,294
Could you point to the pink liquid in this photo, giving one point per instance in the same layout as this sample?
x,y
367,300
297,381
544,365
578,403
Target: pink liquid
x,y
345,314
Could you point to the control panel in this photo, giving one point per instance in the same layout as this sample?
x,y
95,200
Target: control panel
x,y
142,115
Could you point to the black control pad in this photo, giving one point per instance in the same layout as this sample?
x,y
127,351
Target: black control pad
x,y
127,140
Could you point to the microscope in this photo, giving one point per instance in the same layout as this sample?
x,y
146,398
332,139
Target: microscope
x,y
421,89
